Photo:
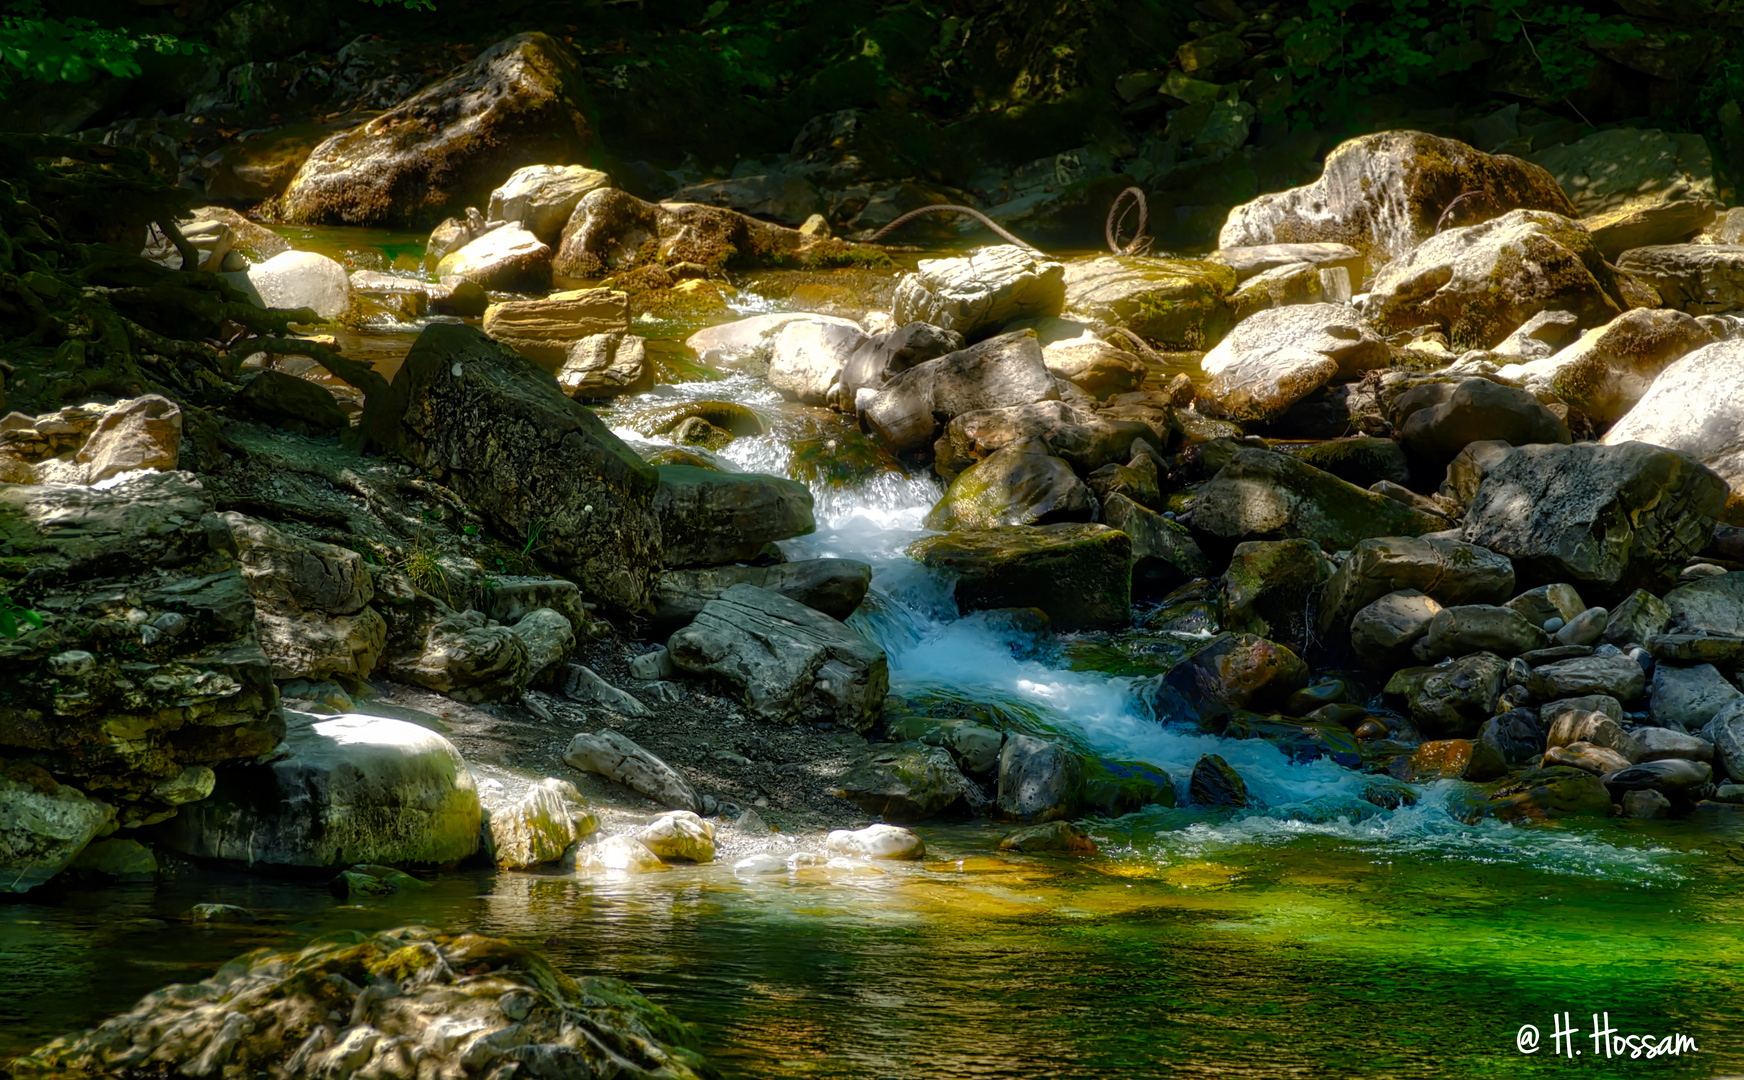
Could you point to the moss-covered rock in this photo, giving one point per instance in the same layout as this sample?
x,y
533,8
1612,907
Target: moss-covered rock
x,y
1269,586
906,782
1020,484
1113,788
1263,495
1178,303
1081,575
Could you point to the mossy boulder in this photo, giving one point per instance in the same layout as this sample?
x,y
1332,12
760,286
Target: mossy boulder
x,y
1540,797
1020,484
1269,588
1079,574
1264,495
906,782
1234,672
1178,303
1113,788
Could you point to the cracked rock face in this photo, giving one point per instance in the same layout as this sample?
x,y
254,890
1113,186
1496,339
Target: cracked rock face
x,y
397,1005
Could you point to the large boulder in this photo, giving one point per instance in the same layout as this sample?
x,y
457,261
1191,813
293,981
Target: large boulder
x,y
1086,440
808,359
708,518
1020,484
1262,495
612,231
1179,303
1482,281
1080,575
1270,586
1610,368
1713,606
146,665
1696,407
1636,187
1445,418
1007,370
907,781
1448,571
1694,278
309,603
1384,194
1039,780
498,431
546,329
1619,516
881,357
521,102
976,293
784,661
1164,556
348,789
1232,672
296,279
1279,356
540,198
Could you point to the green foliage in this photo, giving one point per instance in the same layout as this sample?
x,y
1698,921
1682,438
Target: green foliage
x,y
1342,52
33,46
13,616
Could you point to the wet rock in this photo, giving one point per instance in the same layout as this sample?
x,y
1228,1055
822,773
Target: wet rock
x,y
498,431
540,198
1234,672
309,601
1039,780
1481,281
907,782
999,372
370,879
296,279
1263,495
1080,575
506,259
1283,286
1547,795
1694,278
1454,759
1516,736
751,340
1269,586
1087,441
679,836
1216,783
881,357
275,397
1178,303
1385,194
1614,676
621,854
785,662
808,358
44,825
221,914
349,789
978,292
621,761
1609,370
1383,633
116,860
1611,515
1456,699
1164,555
832,586
1114,788
1594,729
271,1010
1451,416
1687,698
1019,484
547,329
1645,804
1660,743
1586,757
1466,628
1447,570
708,518
605,365
427,157
1668,776
536,828
875,842
1726,732
1053,836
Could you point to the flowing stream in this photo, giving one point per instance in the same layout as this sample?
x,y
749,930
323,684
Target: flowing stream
x,y
1321,936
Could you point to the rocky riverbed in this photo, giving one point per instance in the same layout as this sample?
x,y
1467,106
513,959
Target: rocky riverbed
x,y
620,539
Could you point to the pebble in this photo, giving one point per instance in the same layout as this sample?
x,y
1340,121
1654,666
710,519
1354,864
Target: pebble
x,y
1553,624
